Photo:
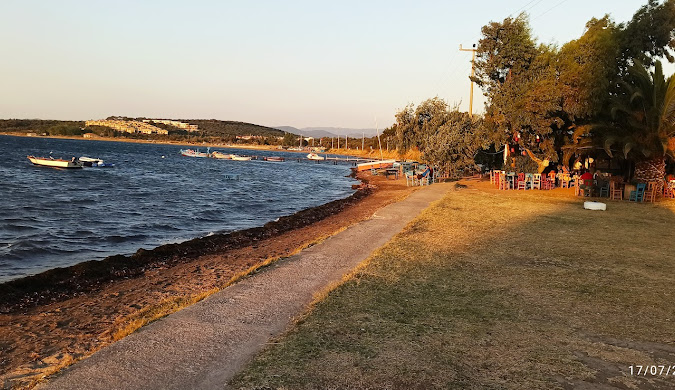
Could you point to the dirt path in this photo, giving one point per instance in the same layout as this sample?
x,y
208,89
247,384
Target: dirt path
x,y
205,344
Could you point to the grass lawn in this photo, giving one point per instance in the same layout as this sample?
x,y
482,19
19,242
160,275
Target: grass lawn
x,y
495,289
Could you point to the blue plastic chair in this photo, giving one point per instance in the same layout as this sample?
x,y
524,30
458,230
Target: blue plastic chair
x,y
639,194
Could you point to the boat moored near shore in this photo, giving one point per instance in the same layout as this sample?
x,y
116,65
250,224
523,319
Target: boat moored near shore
x,y
375,165
55,162
275,158
193,153
241,158
94,162
221,155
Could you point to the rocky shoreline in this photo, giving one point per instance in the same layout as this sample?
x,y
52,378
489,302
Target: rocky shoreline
x,y
63,283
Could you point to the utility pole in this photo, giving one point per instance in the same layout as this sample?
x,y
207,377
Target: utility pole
x,y
473,70
363,141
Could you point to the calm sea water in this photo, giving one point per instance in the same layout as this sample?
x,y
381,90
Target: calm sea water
x,y
54,218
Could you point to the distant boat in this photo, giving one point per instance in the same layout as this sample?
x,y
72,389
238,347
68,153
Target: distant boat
x,y
55,162
221,155
94,162
275,158
241,158
193,153
314,156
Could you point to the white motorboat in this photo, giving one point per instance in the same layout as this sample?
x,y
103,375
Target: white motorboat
x,y
55,162
375,165
241,158
193,153
94,162
314,156
221,155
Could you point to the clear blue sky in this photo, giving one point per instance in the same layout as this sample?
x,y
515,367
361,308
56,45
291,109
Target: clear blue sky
x,y
297,63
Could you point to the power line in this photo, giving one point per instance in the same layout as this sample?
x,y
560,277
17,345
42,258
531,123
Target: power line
x,y
550,9
534,5
522,8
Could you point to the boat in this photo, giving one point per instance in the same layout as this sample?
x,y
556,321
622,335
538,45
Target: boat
x,y
241,158
375,165
275,158
221,155
314,156
94,162
193,153
55,162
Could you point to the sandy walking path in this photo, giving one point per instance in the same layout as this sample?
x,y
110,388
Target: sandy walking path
x,y
204,345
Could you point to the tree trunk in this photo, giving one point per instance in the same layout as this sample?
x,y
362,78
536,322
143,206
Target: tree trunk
x,y
651,170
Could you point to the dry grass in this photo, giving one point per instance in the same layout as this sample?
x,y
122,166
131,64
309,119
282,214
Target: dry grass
x,y
492,290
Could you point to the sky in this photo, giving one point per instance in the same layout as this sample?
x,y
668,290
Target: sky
x,y
274,63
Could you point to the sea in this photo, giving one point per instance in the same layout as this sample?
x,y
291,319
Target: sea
x,y
53,217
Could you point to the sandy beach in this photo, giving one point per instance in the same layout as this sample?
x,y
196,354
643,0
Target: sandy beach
x,y
53,319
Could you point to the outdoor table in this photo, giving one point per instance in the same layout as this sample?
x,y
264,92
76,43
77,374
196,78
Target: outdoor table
x,y
391,171
627,189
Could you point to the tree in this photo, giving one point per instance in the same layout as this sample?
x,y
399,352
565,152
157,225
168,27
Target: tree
x,y
650,34
519,80
644,121
446,137
289,139
587,69
453,147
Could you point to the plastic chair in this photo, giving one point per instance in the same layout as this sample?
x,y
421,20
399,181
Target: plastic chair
x,y
536,181
520,184
639,194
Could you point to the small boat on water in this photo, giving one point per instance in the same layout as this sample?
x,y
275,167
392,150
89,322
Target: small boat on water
x,y
193,153
221,155
314,156
275,158
94,162
55,162
375,165
241,158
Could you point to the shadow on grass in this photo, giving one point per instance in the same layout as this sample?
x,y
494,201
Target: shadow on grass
x,y
495,290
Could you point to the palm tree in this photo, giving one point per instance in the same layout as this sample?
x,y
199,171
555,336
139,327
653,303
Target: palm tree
x,y
644,121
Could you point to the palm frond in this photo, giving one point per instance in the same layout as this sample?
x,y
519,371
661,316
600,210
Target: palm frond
x,y
609,141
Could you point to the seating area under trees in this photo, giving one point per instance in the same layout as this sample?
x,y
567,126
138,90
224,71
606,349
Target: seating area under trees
x,y
603,97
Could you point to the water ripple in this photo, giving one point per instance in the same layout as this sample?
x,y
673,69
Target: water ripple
x,y
54,218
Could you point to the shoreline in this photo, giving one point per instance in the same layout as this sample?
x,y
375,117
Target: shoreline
x,y
62,283
50,320
372,154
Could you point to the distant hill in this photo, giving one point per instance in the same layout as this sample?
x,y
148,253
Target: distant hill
x,y
218,128
318,132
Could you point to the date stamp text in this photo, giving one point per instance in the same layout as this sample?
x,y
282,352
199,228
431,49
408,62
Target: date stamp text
x,y
652,370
